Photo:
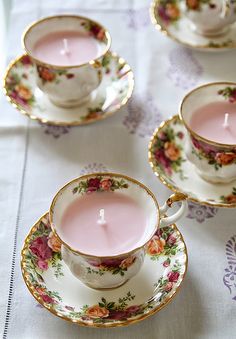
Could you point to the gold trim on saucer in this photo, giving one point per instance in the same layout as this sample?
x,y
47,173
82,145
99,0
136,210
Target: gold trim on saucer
x,y
197,136
157,23
79,17
152,163
30,115
78,322
103,174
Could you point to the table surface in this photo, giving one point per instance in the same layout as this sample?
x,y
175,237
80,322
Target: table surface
x,y
36,160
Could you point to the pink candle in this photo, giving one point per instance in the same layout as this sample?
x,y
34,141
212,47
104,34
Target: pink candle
x,y
66,48
103,224
215,121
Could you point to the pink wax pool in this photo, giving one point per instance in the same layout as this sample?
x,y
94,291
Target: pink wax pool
x,y
66,48
123,227
209,122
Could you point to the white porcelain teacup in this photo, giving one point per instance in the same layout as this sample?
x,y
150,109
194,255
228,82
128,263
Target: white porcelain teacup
x,y
209,17
110,271
214,161
69,85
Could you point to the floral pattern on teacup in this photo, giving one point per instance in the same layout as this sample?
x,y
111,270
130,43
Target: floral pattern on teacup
x,y
113,265
102,310
95,30
196,5
53,75
17,86
45,249
230,198
229,93
100,184
213,154
166,150
163,243
168,11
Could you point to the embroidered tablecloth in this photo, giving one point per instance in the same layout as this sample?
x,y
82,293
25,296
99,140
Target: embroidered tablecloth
x,y
36,160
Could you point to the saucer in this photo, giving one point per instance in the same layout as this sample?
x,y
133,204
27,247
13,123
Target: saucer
x,y
173,24
113,92
169,163
52,284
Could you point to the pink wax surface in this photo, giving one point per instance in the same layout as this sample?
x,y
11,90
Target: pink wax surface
x,y
207,121
124,227
82,48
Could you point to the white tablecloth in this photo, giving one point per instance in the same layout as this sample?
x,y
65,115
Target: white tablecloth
x,y
36,160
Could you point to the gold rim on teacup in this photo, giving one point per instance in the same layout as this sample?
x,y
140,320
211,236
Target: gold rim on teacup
x,y
178,196
197,136
105,174
92,62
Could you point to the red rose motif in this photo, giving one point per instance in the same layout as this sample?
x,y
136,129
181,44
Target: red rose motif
x,y
173,276
94,182
131,310
118,315
47,299
26,60
40,248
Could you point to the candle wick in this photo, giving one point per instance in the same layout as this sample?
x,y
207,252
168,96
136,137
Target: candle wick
x,y
102,220
65,49
226,123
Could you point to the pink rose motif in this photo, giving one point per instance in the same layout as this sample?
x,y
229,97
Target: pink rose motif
x,y
106,184
171,240
40,248
54,243
168,286
47,299
232,97
93,184
69,308
173,276
43,265
166,263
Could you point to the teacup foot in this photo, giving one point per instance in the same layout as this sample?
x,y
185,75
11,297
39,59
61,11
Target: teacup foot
x,y
71,103
107,288
214,180
209,33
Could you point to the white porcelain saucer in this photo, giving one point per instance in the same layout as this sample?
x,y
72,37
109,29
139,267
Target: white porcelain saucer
x,y
114,91
169,163
55,288
173,24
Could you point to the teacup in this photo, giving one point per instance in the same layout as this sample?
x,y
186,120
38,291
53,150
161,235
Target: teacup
x,y
210,17
213,157
109,271
72,84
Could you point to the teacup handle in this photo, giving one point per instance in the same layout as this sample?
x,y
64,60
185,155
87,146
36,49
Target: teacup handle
x,y
165,221
225,9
